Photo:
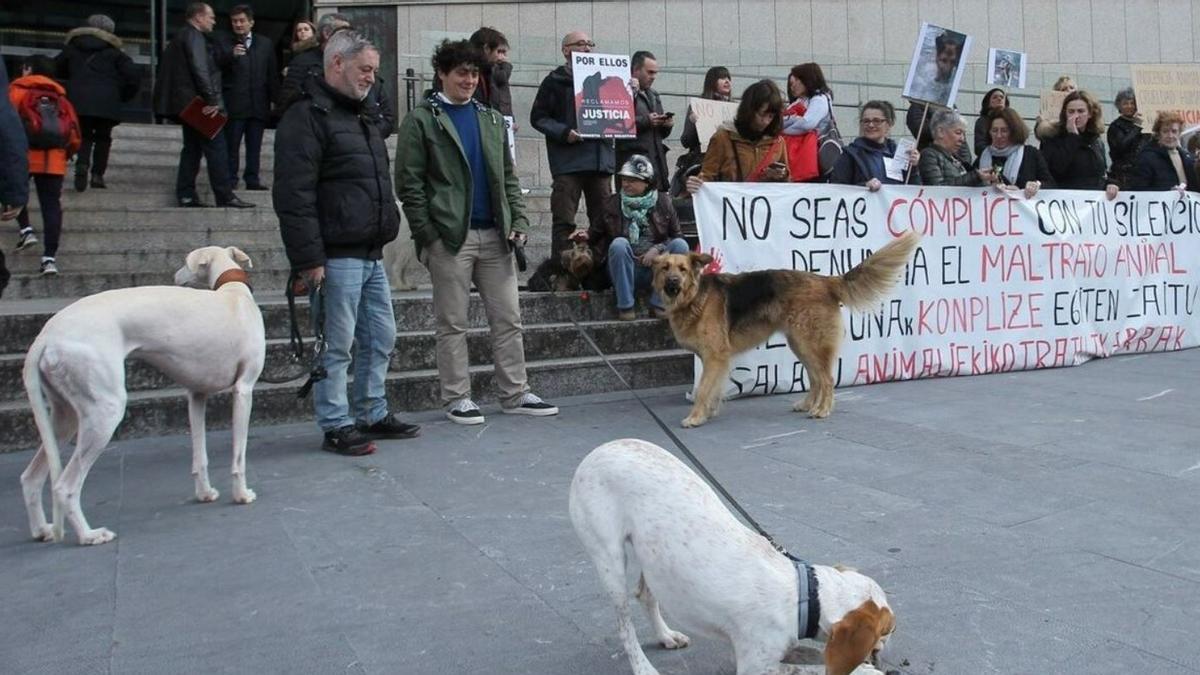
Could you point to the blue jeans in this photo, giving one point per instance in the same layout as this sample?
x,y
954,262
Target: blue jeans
x,y
358,310
252,130
628,274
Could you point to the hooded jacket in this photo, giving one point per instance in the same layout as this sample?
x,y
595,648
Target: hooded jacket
x,y
553,114
14,160
309,66
52,161
433,175
99,76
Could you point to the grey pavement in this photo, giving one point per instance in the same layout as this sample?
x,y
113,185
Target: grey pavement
x,y
1040,522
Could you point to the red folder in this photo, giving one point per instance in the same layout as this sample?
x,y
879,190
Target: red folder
x,y
193,116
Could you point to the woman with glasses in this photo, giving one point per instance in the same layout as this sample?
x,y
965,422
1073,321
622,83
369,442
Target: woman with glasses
x,y
939,163
1162,164
749,148
1016,165
864,162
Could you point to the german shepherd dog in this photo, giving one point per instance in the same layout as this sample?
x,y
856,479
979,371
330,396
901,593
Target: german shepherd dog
x,y
720,315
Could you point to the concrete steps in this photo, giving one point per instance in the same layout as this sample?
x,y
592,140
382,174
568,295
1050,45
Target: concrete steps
x,y
132,234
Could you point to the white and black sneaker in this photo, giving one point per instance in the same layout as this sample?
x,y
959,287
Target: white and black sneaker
x,y
532,405
49,269
464,411
26,240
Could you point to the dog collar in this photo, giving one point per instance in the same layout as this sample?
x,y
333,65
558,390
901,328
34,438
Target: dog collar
x,y
233,276
809,606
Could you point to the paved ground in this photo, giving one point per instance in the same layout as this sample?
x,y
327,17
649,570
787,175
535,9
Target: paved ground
x,y
1032,523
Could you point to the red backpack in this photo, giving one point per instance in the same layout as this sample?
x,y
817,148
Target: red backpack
x,y
49,119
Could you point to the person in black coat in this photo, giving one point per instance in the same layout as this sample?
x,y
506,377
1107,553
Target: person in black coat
x,y
14,167
1126,137
99,78
188,70
1015,164
1075,153
1163,165
251,83
310,64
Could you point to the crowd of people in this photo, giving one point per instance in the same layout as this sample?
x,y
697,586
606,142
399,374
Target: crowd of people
x,y
338,200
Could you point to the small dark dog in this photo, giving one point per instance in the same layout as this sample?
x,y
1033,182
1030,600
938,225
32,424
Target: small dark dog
x,y
573,269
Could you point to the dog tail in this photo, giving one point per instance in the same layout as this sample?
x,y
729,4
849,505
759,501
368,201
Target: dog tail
x,y
874,277
35,389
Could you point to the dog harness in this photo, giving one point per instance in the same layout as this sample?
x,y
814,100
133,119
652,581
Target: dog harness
x,y
809,606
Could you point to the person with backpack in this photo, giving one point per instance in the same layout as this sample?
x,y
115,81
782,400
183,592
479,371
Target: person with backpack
x,y
52,130
99,78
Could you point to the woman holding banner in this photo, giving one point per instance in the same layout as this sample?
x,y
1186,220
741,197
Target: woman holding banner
x,y
1075,154
718,86
749,149
1163,165
864,162
939,163
1014,163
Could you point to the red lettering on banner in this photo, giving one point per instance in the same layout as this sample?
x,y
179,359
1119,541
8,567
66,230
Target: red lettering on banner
x,y
1015,261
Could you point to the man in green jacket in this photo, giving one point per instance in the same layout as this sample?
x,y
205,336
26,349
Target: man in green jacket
x,y
459,188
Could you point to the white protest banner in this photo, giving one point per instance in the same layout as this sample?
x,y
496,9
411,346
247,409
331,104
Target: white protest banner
x,y
603,97
999,283
710,115
1172,88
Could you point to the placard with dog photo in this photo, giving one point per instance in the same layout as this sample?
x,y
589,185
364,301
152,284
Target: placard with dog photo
x,y
938,63
1006,68
603,96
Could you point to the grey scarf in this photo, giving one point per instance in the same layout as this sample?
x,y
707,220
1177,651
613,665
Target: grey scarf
x,y
1012,155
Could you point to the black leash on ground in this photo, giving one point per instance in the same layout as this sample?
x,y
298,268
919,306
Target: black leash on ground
x,y
316,372
695,461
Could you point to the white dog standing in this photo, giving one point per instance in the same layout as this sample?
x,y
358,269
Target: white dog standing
x,y
651,525
208,341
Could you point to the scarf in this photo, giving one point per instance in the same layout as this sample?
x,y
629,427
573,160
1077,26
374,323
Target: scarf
x,y
1012,156
637,211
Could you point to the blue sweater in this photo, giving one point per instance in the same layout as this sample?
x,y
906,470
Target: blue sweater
x,y
466,123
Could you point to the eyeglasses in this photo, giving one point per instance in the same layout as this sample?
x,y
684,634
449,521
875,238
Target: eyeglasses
x,y
872,121
582,43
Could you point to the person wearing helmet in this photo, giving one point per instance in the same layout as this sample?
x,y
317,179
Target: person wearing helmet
x,y
637,225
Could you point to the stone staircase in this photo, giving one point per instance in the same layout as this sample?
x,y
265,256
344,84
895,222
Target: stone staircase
x,y
131,235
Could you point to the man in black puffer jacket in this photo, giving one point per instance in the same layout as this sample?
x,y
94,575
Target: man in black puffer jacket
x,y
99,78
189,69
336,207
310,65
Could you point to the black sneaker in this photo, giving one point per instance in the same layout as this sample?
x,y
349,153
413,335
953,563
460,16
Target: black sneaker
x,y
389,428
532,405
464,411
347,441
98,182
80,182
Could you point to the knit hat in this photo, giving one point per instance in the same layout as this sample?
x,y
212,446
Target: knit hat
x,y
102,22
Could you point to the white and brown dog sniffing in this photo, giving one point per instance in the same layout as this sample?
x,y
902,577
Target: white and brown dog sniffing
x,y
207,341
651,525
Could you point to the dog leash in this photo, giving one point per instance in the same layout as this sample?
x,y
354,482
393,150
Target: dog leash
x,y
695,461
316,372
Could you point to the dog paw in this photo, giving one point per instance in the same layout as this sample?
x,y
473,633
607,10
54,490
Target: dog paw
x,y
802,406
819,414
244,496
675,640
43,533
693,421
100,535
207,496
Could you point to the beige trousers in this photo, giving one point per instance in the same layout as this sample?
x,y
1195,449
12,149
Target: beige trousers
x,y
486,260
